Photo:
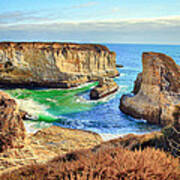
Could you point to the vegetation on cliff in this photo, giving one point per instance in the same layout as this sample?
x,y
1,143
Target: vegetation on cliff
x,y
115,163
149,156
41,156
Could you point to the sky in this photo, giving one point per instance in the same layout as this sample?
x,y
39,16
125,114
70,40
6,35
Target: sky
x,y
94,21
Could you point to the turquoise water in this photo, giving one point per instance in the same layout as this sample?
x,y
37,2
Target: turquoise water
x,y
72,108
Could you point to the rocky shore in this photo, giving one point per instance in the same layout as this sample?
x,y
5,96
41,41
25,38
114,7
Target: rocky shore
x,y
156,93
19,148
105,87
57,152
36,64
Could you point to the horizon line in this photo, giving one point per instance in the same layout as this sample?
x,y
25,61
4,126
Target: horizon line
x,y
86,42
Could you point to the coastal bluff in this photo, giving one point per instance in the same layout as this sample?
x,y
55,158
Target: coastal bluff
x,y
156,91
56,152
40,64
18,147
12,130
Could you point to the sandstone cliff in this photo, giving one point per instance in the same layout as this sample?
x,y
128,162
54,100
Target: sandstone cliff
x,y
53,64
156,91
12,131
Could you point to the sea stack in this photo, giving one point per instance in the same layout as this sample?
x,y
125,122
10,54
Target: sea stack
x,y
36,64
156,91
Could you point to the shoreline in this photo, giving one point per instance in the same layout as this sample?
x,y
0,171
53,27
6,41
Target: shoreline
x,y
30,128
46,140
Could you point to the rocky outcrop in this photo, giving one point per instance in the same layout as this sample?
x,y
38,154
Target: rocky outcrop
x,y
105,87
45,145
60,140
137,84
177,116
12,131
106,160
156,91
119,66
53,64
135,142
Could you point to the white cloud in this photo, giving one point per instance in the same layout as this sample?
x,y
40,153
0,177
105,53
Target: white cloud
x,y
22,16
146,30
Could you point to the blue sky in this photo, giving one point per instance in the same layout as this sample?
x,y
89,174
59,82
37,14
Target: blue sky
x,y
103,21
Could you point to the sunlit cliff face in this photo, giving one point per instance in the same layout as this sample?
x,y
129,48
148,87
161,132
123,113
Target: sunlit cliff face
x,y
53,63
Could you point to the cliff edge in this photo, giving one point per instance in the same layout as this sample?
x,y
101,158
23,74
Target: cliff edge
x,y
36,64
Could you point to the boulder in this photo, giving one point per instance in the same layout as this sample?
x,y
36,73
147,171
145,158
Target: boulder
x,y
105,87
12,130
156,91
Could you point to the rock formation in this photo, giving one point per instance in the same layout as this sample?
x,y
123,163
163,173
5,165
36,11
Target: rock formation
x,y
119,66
36,64
12,131
105,87
156,90
62,140
45,145
104,161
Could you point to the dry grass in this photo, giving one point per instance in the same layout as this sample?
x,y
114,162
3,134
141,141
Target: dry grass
x,y
46,144
115,163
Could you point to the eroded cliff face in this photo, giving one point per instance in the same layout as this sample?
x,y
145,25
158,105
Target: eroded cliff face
x,y
156,90
54,64
12,130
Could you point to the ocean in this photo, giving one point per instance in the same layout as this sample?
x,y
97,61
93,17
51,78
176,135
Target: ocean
x,y
72,108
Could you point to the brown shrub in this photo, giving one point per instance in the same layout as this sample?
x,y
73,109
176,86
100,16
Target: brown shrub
x,y
172,134
115,163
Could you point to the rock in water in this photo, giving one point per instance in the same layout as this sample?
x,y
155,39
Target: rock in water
x,y
119,66
105,87
12,130
35,64
156,91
